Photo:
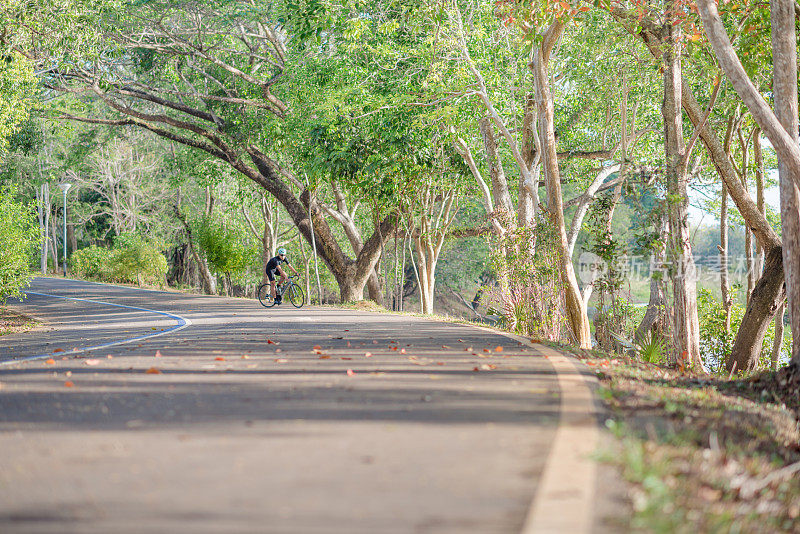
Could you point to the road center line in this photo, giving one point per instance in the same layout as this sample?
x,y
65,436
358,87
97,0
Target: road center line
x,y
183,322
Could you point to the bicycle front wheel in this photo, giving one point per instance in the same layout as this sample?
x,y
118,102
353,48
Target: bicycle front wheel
x,y
296,296
265,295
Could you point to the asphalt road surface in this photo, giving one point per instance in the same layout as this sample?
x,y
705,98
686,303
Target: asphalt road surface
x,y
223,416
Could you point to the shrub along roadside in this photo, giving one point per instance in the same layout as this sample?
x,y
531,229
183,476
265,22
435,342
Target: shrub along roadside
x,y
133,259
703,454
19,238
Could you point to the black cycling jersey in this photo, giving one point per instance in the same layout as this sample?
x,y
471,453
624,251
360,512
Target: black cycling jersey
x,y
272,265
274,262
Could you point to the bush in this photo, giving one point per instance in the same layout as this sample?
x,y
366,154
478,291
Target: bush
x,y
19,239
135,259
92,262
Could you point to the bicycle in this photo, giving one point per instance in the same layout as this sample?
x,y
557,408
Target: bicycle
x,y
292,291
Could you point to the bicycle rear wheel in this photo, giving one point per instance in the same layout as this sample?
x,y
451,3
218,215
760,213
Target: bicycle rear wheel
x,y
296,296
265,296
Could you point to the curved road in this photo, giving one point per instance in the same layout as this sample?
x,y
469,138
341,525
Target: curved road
x,y
263,420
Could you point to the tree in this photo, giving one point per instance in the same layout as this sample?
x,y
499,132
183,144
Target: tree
x,y
19,237
769,289
206,76
780,127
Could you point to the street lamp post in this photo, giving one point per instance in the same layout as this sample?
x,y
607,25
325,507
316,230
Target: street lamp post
x,y
65,187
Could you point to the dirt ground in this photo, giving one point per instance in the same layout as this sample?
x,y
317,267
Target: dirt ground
x,y
703,453
14,323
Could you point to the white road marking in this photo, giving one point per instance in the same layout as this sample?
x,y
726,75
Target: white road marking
x,y
565,497
183,322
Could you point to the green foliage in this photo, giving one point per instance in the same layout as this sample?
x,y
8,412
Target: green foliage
x,y
92,262
651,348
137,259
133,259
19,238
18,86
225,245
715,342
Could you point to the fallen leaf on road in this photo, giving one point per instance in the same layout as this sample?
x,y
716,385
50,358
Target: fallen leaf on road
x,y
375,341
109,357
445,347
402,351
270,342
317,347
350,372
468,349
461,340
278,350
68,374
498,348
245,357
368,354
92,362
69,384
153,371
348,343
158,354
475,369
50,361
219,359
486,350
535,340
58,350
488,367
317,351
281,360
324,357
346,358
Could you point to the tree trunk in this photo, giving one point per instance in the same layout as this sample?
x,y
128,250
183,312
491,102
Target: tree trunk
x,y
748,235
43,204
784,87
209,281
226,284
575,308
724,285
758,160
686,325
777,342
658,300
71,239
763,303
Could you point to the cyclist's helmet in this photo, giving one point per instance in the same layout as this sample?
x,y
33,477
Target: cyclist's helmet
x,y
281,251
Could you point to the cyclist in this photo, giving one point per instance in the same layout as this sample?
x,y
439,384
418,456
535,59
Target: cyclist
x,y
273,266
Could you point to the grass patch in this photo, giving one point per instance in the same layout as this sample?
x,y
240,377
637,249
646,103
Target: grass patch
x,y
703,454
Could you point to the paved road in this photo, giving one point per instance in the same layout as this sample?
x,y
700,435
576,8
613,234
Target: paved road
x,y
249,428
